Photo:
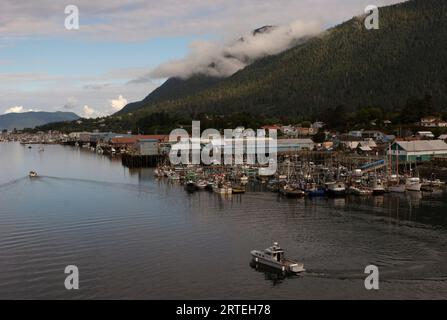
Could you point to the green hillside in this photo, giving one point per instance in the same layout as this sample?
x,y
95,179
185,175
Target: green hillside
x,y
346,65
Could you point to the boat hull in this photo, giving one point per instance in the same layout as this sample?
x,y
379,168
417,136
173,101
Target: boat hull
x,y
397,189
288,266
414,187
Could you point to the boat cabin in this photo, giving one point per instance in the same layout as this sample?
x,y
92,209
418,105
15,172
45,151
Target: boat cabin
x,y
275,252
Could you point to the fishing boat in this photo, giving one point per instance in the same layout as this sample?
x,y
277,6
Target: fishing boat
x,y
397,188
413,184
190,186
360,191
433,184
222,188
314,191
209,185
378,187
291,191
173,176
33,174
275,257
238,189
336,189
244,179
201,184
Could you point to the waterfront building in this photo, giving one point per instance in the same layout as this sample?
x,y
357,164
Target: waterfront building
x,y
418,150
293,145
148,147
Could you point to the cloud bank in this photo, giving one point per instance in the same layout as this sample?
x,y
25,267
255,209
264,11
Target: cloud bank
x,y
19,109
218,60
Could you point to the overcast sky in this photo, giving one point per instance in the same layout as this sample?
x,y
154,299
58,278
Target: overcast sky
x,y
125,48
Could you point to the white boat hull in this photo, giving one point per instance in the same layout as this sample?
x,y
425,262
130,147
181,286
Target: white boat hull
x,y
414,187
397,188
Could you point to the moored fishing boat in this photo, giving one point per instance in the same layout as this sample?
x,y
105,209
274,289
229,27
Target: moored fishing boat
x,y
291,191
244,179
191,186
275,257
360,191
201,184
222,188
413,184
238,189
378,187
397,188
336,189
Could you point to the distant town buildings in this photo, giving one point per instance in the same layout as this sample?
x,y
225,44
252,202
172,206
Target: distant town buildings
x,y
418,150
433,122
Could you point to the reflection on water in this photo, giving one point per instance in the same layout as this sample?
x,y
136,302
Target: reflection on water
x,y
133,236
271,274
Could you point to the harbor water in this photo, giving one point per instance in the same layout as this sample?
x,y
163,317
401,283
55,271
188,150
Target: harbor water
x,y
135,237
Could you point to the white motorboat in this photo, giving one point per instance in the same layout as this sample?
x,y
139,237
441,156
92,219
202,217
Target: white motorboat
x,y
397,188
378,187
33,174
336,189
360,191
201,184
413,184
274,257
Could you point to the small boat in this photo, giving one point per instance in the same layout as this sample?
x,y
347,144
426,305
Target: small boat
x,y
275,257
244,179
314,191
433,184
201,184
291,192
191,186
413,184
377,187
238,189
33,174
397,188
209,185
336,189
173,176
359,191
222,188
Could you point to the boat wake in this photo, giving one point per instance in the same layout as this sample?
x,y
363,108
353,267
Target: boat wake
x,y
12,183
129,186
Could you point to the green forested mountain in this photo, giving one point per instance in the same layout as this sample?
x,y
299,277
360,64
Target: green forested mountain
x,y
347,65
173,88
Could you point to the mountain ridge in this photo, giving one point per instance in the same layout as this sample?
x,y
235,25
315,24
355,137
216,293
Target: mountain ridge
x,y
19,121
347,64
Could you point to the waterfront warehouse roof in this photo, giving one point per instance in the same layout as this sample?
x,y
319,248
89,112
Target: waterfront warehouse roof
x,y
134,139
423,145
294,141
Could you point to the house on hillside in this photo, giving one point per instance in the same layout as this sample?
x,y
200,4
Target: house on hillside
x,y
433,122
425,135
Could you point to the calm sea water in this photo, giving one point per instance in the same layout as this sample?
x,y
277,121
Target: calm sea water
x,y
133,237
